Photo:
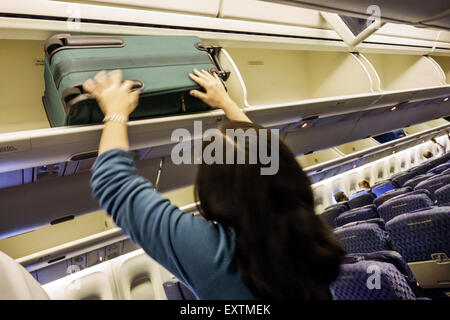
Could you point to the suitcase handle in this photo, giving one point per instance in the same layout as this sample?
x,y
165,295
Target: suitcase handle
x,y
213,52
76,94
63,41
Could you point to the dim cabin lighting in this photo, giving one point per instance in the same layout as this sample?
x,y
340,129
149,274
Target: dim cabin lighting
x,y
354,166
393,152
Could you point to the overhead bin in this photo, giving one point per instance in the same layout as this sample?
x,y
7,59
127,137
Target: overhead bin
x,y
271,12
205,7
404,77
355,146
293,83
319,157
22,86
444,63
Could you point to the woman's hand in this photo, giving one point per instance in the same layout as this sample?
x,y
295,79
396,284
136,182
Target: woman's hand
x,y
216,95
113,95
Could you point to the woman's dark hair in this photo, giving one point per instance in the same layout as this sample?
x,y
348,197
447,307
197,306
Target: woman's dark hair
x,y
283,250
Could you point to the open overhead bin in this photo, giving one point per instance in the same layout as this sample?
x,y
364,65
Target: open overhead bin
x,y
444,63
278,84
319,157
355,146
403,78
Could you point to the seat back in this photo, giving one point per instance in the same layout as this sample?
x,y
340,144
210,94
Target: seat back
x,y
16,283
363,236
371,280
434,183
439,169
422,168
360,199
331,212
416,180
443,195
388,256
391,194
418,235
401,177
382,187
403,204
358,214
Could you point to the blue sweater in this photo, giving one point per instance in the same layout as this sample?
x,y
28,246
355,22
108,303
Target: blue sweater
x,y
198,252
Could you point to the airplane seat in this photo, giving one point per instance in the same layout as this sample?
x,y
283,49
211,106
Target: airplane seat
x,y
422,238
416,180
422,168
176,290
434,183
358,214
388,256
363,236
401,177
391,194
353,282
333,211
17,283
137,277
382,187
443,195
439,168
420,234
404,204
360,199
94,283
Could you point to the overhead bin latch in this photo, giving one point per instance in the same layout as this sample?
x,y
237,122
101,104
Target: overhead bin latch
x,y
214,51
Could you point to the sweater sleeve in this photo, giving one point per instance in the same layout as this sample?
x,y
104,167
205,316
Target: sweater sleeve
x,y
188,246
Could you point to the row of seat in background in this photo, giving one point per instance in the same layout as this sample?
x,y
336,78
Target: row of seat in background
x,y
363,235
409,213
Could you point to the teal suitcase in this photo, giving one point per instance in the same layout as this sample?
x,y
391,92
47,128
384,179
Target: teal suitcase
x,y
158,65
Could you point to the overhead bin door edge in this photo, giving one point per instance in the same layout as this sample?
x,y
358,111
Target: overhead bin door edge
x,y
60,144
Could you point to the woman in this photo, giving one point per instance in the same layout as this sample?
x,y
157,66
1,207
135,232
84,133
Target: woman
x,y
258,236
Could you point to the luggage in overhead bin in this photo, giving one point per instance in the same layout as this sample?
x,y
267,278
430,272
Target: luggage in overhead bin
x,y
158,65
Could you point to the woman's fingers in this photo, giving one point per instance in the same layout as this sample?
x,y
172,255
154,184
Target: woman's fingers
x,y
198,79
116,77
127,85
207,75
197,94
90,86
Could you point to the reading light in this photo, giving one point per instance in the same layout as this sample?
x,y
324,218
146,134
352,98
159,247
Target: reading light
x,y
393,152
394,108
446,99
354,166
304,124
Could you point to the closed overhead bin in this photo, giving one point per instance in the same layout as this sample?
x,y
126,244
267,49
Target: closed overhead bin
x,y
272,12
206,7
